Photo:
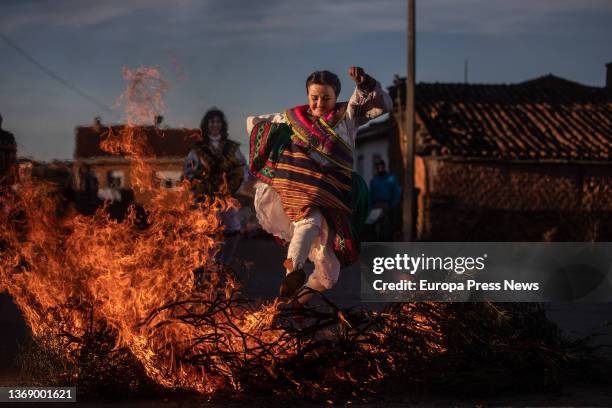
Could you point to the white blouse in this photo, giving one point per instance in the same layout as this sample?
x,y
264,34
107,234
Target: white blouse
x,y
362,107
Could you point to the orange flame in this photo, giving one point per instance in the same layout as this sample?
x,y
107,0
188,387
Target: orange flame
x,y
123,275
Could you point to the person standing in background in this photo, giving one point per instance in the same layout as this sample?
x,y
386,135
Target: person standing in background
x,y
385,194
8,157
216,167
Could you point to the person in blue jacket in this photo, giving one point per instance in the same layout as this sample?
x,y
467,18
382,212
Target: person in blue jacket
x,y
385,194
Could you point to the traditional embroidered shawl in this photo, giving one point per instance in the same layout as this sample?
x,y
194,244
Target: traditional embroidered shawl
x,y
218,165
319,135
281,155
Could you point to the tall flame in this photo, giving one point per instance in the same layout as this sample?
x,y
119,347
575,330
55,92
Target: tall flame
x,y
71,271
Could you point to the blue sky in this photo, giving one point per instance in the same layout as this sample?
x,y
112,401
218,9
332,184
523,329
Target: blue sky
x,y
250,57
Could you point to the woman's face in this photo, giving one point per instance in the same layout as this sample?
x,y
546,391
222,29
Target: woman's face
x,y
214,126
321,99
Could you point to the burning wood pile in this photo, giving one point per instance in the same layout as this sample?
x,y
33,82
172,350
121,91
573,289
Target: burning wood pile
x,y
114,306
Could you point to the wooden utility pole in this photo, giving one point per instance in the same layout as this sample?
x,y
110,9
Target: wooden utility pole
x,y
409,209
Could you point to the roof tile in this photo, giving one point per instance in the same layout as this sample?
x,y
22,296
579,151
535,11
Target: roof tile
x,y
544,118
162,142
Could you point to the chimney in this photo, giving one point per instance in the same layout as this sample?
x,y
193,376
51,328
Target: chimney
x,y
609,75
158,120
97,124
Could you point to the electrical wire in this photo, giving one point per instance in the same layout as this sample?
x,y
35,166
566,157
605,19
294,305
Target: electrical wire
x,y
55,76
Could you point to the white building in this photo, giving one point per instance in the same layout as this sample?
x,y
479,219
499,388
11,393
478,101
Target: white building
x,y
372,144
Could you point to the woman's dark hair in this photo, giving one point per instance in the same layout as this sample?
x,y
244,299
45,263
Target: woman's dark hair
x,y
211,113
324,78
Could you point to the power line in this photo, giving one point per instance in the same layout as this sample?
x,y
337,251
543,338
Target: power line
x,y
55,76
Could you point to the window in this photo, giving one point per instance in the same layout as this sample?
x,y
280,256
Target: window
x,y
169,179
116,179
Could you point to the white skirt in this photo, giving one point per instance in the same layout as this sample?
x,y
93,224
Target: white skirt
x,y
273,219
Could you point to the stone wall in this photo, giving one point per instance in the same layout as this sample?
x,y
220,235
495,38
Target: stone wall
x,y
510,201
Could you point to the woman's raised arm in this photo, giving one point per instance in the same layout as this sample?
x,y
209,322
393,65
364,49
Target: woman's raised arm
x,y
369,100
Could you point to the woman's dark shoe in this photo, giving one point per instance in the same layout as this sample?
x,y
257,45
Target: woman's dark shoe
x,y
292,283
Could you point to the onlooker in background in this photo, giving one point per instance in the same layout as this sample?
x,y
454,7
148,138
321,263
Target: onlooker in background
x,y
385,193
216,167
8,157
87,194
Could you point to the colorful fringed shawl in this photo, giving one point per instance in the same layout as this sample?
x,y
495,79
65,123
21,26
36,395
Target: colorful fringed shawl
x,y
310,166
218,166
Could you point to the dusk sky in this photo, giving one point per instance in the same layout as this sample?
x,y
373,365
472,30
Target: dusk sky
x,y
252,57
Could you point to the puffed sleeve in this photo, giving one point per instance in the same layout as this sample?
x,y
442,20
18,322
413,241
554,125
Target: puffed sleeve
x,y
271,117
368,101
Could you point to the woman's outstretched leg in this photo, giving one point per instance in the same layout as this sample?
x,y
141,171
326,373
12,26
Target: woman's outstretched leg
x,y
325,275
304,234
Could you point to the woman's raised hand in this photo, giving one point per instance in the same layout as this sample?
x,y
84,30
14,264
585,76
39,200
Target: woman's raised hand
x,y
357,74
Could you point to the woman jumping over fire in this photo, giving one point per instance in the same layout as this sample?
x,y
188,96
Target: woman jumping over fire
x,y
307,193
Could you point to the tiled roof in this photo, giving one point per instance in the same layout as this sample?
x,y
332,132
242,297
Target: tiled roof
x,y
548,118
162,142
374,130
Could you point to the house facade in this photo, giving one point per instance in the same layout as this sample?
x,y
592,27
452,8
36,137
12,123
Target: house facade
x,y
372,144
514,162
167,149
